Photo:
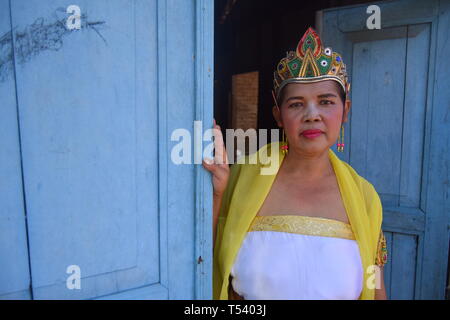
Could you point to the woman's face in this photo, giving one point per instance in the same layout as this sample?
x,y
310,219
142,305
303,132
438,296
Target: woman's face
x,y
307,106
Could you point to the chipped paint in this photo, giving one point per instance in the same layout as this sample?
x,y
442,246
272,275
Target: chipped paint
x,y
37,37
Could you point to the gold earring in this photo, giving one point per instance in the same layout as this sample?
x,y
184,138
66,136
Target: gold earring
x,y
340,144
284,144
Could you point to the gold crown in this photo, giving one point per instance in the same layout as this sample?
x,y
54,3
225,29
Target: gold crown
x,y
310,63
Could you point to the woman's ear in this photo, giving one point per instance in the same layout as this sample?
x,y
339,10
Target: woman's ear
x,y
347,106
277,116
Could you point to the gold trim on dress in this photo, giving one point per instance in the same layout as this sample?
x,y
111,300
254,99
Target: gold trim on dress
x,y
306,225
382,254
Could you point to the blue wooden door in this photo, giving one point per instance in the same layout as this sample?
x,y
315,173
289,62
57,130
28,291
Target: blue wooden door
x,y
90,190
398,133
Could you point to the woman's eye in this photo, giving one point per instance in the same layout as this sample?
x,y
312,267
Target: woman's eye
x,y
326,102
297,104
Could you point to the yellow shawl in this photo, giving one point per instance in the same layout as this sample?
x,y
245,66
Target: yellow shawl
x,y
246,192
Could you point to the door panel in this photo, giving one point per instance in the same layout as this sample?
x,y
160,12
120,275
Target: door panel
x,y
96,107
404,260
89,156
388,86
390,133
15,274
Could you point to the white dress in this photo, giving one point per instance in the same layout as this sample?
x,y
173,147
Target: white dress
x,y
296,258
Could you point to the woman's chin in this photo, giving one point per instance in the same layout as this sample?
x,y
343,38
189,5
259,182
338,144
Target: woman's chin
x,y
311,149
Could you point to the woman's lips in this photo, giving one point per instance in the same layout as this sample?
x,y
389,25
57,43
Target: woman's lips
x,y
311,134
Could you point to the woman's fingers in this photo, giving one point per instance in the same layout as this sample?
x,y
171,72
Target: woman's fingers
x,y
220,153
219,165
225,155
208,164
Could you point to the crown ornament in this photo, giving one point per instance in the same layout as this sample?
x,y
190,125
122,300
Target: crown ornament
x,y
311,62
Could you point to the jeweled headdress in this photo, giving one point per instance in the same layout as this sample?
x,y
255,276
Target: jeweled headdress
x,y
310,63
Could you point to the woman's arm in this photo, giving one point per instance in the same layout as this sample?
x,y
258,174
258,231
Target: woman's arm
x,y
217,201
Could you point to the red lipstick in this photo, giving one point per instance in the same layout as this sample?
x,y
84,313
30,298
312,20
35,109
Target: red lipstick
x,y
312,133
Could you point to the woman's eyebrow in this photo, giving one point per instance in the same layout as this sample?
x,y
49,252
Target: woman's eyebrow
x,y
294,98
327,95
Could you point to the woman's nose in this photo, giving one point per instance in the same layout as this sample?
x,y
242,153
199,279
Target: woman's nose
x,y
312,112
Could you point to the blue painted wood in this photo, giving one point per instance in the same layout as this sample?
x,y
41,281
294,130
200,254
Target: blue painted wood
x,y
184,95
176,44
403,257
438,203
380,119
96,109
204,65
417,62
180,99
15,274
393,14
155,292
404,219
179,96
388,266
398,132
163,138
101,191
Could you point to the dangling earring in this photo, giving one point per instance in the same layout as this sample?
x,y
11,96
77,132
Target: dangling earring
x,y
340,144
284,144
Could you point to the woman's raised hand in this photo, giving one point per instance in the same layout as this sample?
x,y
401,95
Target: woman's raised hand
x,y
219,167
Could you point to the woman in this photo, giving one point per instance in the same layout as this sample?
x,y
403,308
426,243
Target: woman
x,y
313,229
